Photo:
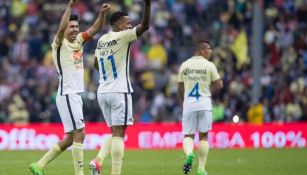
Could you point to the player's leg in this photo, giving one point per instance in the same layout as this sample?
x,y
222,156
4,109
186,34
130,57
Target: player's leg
x,y
37,167
117,148
203,150
205,124
121,116
74,103
189,127
55,150
105,150
95,165
77,151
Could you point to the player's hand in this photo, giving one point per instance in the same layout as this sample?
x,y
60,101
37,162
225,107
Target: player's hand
x,y
105,7
73,2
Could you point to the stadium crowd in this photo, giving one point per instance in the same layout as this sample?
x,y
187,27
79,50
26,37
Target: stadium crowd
x,y
28,79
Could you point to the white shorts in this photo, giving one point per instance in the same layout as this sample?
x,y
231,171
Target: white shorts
x,y
116,108
200,121
71,113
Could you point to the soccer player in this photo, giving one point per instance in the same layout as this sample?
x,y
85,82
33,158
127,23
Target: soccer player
x,y
67,50
196,76
114,91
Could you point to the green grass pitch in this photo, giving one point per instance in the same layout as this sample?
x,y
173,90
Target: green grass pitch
x,y
169,162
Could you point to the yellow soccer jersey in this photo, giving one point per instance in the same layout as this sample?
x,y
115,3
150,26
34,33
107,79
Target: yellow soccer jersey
x,y
113,54
68,60
197,74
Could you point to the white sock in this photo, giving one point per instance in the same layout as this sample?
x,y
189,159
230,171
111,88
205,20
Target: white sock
x,y
117,153
188,145
49,156
105,150
203,150
77,154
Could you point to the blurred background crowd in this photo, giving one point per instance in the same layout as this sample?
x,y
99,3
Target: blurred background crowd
x,y
28,79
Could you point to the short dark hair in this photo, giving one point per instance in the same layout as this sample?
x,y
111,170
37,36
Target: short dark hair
x,y
73,17
203,41
116,16
201,44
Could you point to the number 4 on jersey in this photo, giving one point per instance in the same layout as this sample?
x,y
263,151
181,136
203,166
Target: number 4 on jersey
x,y
194,92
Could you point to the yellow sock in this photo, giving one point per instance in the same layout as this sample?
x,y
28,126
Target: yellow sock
x,y
49,156
117,153
188,145
203,150
104,150
77,155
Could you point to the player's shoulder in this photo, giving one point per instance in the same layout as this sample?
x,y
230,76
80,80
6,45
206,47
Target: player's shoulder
x,y
126,32
185,64
104,36
211,63
206,61
189,61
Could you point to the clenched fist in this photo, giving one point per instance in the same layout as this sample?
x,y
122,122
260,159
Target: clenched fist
x,y
105,7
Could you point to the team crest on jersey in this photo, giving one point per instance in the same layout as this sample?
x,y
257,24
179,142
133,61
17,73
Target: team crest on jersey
x,y
78,62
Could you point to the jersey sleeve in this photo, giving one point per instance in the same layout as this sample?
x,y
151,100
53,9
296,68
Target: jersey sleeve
x,y
83,37
214,74
180,75
129,35
54,45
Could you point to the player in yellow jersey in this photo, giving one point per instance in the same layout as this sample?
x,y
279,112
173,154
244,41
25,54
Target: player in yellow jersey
x,y
196,76
114,92
67,49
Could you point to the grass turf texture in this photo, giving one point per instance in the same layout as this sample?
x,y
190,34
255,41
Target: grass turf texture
x,y
169,162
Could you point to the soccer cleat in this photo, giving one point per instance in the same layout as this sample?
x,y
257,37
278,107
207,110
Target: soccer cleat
x,y
201,172
188,163
94,167
35,170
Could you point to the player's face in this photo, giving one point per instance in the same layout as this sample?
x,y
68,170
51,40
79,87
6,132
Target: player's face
x,y
124,23
72,30
207,51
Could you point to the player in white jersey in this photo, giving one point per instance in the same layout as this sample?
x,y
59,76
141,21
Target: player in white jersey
x,y
67,49
196,76
114,92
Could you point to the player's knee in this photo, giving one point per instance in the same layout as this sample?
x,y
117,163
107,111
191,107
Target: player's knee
x,y
78,136
203,136
66,142
189,135
119,131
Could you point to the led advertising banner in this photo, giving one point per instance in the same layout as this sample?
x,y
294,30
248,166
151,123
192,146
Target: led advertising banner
x,y
159,136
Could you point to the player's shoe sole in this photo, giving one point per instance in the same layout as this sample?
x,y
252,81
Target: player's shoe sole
x,y
94,167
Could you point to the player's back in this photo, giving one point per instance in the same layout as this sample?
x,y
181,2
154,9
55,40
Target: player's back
x,y
197,74
113,50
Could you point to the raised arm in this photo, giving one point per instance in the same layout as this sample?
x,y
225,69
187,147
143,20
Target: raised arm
x,y
97,26
64,22
141,28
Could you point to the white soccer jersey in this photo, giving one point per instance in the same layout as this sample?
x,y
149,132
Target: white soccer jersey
x,y
68,60
113,54
197,74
